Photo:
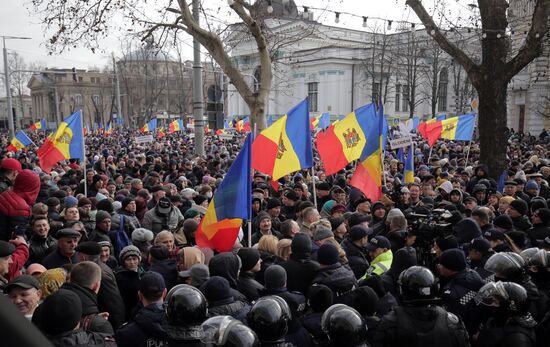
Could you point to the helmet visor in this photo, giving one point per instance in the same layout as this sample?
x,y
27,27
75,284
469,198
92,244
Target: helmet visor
x,y
491,294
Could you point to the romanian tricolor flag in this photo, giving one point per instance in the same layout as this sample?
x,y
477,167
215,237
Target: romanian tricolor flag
x,y
150,126
344,141
230,204
456,128
368,174
285,146
40,125
243,125
176,125
321,122
20,141
66,143
409,166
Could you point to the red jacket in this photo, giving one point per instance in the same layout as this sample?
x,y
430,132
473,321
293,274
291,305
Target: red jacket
x,y
16,204
18,259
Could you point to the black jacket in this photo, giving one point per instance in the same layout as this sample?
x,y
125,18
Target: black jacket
x,y
128,283
79,338
312,323
300,271
229,307
90,310
458,294
538,232
512,333
521,223
356,258
247,285
56,259
337,277
189,336
147,328
40,247
109,297
227,265
168,269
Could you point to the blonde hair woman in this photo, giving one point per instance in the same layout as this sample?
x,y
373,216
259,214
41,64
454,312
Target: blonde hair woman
x,y
283,249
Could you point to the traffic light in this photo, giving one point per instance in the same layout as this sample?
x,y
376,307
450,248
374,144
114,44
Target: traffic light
x,y
74,75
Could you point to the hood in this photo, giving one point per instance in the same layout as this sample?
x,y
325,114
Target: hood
x,y
459,192
151,319
88,298
469,279
402,260
301,246
27,186
485,169
226,265
446,187
192,256
466,230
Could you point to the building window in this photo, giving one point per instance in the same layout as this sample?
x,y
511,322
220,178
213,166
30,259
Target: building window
x,y
397,97
442,91
405,107
97,80
312,93
80,79
96,99
92,79
376,92
78,99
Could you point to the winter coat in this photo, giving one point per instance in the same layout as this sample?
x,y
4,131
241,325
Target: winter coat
x,y
458,294
513,333
227,265
16,204
247,285
79,338
128,284
466,230
268,259
538,232
40,247
168,269
147,328
109,296
300,271
56,259
157,222
88,298
380,265
18,259
187,336
312,323
337,277
521,223
229,307
356,258
131,221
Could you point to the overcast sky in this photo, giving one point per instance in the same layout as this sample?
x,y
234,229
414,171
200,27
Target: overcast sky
x,y
15,20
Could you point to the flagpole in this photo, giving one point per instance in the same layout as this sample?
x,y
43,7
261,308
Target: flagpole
x,y
314,189
429,156
250,197
83,154
468,154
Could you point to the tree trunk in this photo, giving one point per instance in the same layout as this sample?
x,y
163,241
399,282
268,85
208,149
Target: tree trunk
x,y
257,113
492,125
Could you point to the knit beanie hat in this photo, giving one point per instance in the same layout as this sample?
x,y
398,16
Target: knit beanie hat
x,y
507,199
273,202
100,216
71,201
84,201
327,254
453,259
125,202
142,235
105,205
447,242
301,244
503,221
520,206
217,288
275,277
531,185
128,251
249,258
53,317
261,216
321,232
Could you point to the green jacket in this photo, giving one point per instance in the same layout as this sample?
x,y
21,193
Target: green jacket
x,y
380,264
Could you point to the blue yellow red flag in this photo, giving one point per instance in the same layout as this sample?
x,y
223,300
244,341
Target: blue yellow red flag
x,y
19,141
409,166
150,126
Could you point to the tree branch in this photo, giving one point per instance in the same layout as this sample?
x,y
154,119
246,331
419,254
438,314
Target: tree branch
x,y
459,55
532,46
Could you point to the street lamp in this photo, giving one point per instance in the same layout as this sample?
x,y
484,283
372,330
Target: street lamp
x,y
7,81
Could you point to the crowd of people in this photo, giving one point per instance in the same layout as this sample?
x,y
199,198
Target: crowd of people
x,y
105,254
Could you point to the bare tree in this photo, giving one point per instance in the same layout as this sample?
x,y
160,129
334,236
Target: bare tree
x,y
437,67
410,54
491,75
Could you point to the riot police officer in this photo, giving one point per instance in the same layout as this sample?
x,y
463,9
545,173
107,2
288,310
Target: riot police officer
x,y
186,310
226,331
269,319
419,321
510,323
344,326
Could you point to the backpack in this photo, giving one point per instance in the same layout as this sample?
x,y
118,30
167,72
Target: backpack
x,y
121,238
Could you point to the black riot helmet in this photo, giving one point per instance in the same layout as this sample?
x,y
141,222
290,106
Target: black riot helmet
x,y
344,326
506,265
417,285
269,318
227,331
509,298
186,306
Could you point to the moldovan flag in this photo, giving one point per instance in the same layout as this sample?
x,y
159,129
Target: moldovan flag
x,y
176,125
150,126
322,122
66,143
40,125
368,174
409,166
344,141
20,141
456,128
285,146
161,133
230,204
109,129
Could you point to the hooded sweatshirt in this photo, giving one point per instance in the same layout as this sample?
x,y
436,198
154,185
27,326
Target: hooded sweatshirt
x,y
227,265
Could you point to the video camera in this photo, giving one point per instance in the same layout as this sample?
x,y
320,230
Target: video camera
x,y
428,227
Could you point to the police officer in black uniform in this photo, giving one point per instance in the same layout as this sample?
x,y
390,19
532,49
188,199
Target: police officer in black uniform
x,y
510,323
269,318
226,331
419,321
186,310
344,326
